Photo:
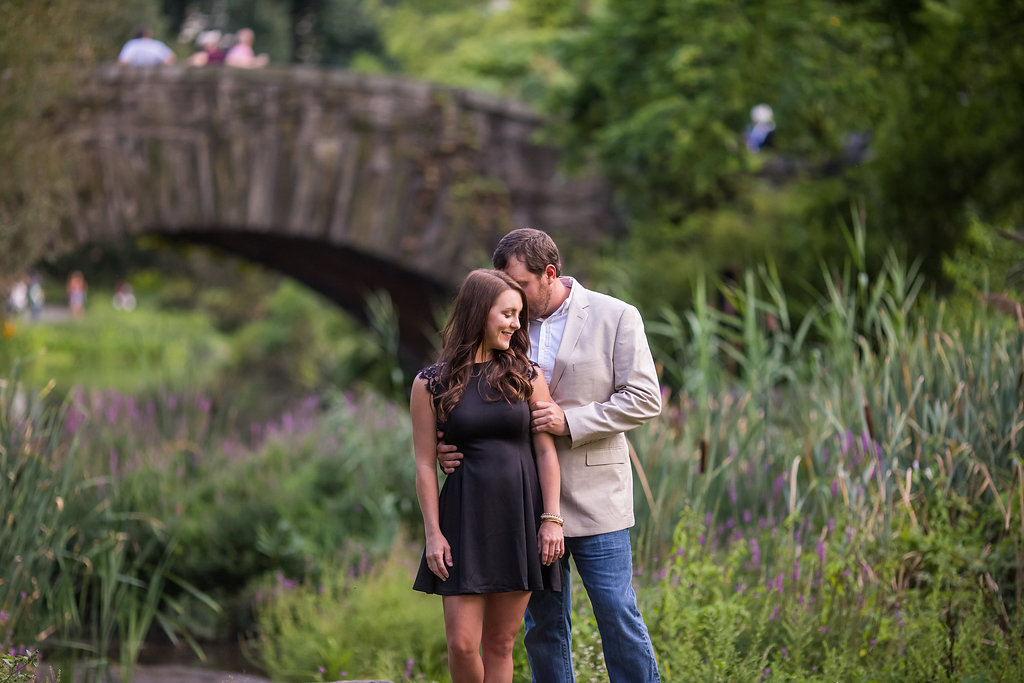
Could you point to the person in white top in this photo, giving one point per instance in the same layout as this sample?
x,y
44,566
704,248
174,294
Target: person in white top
x,y
594,353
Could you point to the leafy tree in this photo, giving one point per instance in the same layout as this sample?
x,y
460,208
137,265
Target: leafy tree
x,y
660,90
40,43
501,48
951,148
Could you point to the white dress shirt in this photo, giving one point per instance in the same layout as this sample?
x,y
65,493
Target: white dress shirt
x,y
546,334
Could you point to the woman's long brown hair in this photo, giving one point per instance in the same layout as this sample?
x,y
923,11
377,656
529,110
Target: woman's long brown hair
x,y
510,372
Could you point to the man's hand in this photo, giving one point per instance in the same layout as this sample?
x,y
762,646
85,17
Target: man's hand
x,y
546,416
448,456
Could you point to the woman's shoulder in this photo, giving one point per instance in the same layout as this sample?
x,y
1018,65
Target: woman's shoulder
x,y
432,376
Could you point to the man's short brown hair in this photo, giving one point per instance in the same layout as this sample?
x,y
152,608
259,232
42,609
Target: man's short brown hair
x,y
534,248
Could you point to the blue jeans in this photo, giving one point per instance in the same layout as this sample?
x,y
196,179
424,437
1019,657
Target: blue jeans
x,y
605,565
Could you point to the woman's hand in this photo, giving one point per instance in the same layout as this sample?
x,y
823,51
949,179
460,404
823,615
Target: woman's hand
x,y
551,542
439,556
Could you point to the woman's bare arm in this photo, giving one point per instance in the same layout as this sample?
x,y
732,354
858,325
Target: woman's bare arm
x,y
424,441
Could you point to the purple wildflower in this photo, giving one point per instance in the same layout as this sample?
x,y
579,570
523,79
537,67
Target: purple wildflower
x,y
777,485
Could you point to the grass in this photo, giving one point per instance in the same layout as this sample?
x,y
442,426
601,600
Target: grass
x,y
110,349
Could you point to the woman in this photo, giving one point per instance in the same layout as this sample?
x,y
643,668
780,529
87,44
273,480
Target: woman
x,y
494,534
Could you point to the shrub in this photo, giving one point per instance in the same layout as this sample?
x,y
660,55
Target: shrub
x,y
352,625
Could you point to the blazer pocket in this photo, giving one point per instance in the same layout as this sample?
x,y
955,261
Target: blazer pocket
x,y
606,456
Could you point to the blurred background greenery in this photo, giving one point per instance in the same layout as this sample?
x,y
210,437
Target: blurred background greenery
x,y
835,316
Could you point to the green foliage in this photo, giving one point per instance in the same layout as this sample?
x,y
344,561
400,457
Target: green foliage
x,y
300,345
107,348
768,605
80,573
944,152
38,40
662,90
21,667
283,496
479,44
658,93
345,625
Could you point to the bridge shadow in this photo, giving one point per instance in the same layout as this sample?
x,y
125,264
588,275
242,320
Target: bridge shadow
x,y
344,276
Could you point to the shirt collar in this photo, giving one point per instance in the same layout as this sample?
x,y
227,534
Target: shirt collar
x,y
562,310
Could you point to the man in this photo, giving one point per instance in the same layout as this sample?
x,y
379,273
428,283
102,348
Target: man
x,y
144,50
594,353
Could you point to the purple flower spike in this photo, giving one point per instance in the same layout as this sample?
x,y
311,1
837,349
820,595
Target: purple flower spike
x,y
777,485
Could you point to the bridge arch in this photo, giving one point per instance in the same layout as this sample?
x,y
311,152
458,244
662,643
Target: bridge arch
x,y
347,182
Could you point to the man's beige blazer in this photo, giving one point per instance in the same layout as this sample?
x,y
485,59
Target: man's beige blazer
x,y
604,379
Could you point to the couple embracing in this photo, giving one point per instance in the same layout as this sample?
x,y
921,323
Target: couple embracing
x,y
527,409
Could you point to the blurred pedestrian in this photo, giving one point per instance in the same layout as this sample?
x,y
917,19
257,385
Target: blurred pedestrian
x,y
124,297
77,289
17,300
36,295
210,52
241,54
144,50
761,131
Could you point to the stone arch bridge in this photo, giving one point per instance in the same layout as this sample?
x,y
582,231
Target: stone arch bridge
x,y
347,182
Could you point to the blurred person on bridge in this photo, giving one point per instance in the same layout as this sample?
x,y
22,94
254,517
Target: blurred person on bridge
x,y
210,51
145,50
241,54
593,351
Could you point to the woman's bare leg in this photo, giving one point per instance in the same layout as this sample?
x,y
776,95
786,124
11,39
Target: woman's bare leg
x,y
503,616
463,627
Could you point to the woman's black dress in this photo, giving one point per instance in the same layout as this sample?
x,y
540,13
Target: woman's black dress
x,y
489,508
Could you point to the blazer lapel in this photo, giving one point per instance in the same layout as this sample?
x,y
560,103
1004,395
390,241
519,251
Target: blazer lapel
x,y
577,318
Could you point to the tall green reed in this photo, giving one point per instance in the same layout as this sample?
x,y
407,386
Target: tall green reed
x,y
79,574
778,420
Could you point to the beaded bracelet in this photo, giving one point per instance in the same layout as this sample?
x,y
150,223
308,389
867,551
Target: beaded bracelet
x,y
551,517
